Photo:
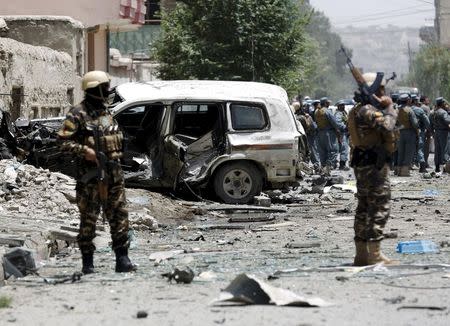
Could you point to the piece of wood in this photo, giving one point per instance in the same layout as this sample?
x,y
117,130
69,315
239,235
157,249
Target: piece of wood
x,y
313,205
302,245
244,219
63,235
278,209
222,227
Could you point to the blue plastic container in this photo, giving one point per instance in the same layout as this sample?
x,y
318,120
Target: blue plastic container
x,y
417,247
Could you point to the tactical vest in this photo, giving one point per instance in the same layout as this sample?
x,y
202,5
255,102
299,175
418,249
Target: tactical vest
x,y
403,116
367,136
111,138
321,119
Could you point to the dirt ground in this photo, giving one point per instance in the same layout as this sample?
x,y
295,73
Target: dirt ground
x,y
406,295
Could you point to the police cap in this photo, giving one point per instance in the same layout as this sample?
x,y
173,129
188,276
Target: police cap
x,y
403,98
440,100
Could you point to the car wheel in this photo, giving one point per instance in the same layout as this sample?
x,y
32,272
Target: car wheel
x,y
237,183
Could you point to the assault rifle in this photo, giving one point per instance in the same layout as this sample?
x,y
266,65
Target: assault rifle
x,y
365,94
102,178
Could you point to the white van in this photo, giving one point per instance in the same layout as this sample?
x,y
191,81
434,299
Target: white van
x,y
235,137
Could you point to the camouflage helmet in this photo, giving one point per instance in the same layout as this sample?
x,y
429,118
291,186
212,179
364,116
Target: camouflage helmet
x,y
370,77
94,78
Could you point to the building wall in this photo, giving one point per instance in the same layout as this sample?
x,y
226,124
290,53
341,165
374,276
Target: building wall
x,y
45,76
89,12
56,32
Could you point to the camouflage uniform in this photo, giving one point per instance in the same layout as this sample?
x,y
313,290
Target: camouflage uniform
x,y
75,135
372,137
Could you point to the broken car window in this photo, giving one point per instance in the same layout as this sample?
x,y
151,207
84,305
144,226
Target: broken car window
x,y
195,120
248,117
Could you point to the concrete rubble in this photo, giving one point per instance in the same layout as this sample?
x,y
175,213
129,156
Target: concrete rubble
x,y
301,243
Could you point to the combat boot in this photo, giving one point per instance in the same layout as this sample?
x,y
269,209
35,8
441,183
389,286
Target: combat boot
x,y
423,168
375,256
362,253
438,169
123,263
343,167
88,262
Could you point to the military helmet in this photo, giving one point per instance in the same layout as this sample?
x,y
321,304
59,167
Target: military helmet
x,y
94,78
370,77
340,102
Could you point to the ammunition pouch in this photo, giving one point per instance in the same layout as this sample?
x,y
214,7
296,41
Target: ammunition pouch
x,y
377,156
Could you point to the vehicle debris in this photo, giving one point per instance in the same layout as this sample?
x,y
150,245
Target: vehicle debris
x,y
19,262
141,314
185,275
247,290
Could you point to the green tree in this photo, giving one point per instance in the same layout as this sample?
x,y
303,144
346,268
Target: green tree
x,y
257,40
431,71
331,77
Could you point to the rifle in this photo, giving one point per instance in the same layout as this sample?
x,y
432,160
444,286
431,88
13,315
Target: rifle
x,y
366,93
102,178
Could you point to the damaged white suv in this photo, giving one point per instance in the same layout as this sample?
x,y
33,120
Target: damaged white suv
x,y
235,137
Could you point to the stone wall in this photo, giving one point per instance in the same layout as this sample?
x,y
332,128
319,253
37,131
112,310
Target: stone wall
x,y
42,81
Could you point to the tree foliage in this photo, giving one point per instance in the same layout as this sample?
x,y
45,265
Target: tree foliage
x,y
331,77
276,41
258,40
431,71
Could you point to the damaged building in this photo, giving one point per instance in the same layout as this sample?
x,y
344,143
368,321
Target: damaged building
x,y
41,64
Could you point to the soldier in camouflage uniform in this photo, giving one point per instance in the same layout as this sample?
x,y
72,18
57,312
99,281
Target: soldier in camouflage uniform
x,y
77,137
372,137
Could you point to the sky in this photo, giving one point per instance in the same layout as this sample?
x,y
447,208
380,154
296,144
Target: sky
x,y
405,13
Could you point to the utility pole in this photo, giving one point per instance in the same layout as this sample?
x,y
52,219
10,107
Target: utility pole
x,y
410,66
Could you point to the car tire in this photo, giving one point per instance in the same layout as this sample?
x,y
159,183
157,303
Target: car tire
x,y
237,182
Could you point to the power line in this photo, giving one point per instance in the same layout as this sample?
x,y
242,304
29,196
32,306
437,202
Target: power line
x,y
385,17
382,13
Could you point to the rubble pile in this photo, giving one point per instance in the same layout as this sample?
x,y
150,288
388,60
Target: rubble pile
x,y
35,192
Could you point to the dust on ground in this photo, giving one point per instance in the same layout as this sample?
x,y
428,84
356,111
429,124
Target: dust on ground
x,y
308,249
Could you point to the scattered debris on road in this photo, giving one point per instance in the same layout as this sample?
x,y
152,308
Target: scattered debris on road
x,y
247,289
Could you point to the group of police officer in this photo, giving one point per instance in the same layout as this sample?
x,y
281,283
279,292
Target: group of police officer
x,y
418,124
326,131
